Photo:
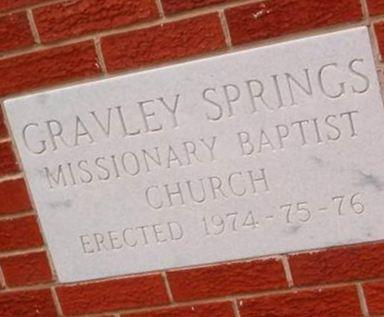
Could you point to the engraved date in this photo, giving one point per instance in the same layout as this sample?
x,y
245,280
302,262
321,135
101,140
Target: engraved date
x,y
292,213
230,222
302,212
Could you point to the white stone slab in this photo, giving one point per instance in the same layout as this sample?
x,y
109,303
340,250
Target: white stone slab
x,y
286,141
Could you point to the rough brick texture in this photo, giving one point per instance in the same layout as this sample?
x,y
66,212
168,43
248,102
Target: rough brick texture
x,y
227,279
162,43
206,310
115,294
376,7
27,304
14,196
172,6
47,67
379,30
19,233
73,18
15,32
338,302
337,265
25,269
267,19
6,5
374,293
8,163
3,128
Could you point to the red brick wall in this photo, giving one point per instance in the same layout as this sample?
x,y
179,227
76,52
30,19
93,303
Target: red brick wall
x,y
46,43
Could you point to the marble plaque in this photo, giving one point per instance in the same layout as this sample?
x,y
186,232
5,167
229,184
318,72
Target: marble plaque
x,y
258,152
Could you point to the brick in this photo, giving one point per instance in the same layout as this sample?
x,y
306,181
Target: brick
x,y
8,163
379,29
173,6
206,310
3,128
374,295
337,302
267,19
15,32
163,42
338,265
74,18
26,269
6,5
14,196
27,304
48,67
226,279
375,7
125,293
19,233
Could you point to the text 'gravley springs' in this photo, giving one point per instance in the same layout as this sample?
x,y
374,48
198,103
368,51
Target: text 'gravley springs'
x,y
218,104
